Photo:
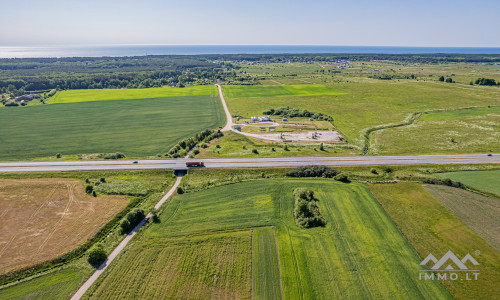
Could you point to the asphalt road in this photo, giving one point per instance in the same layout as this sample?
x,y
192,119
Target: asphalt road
x,y
249,162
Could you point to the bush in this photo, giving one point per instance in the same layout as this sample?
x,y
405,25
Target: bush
x,y
486,81
58,155
196,151
154,215
374,171
288,112
254,151
447,182
89,189
342,178
94,194
306,211
116,155
125,226
313,171
180,190
96,255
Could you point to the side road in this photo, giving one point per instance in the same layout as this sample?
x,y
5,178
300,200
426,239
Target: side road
x,y
229,122
78,295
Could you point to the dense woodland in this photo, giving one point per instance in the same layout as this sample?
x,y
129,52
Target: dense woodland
x,y
19,76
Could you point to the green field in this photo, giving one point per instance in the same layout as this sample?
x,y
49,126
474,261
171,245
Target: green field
x,y
488,181
201,267
136,128
443,134
349,258
370,103
265,271
58,285
235,91
71,96
480,213
431,228
458,114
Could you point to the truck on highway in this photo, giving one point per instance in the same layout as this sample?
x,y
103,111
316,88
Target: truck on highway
x,y
194,164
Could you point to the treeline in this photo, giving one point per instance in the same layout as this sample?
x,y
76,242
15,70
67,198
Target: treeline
x,y
393,76
185,145
306,210
318,171
288,112
446,181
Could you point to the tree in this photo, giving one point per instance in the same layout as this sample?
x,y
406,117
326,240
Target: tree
x,y
96,255
180,190
441,78
58,155
125,226
449,80
321,147
89,189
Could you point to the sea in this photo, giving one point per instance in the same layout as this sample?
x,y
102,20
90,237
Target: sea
x,y
141,50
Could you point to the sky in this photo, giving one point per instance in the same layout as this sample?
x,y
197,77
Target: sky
x,y
426,23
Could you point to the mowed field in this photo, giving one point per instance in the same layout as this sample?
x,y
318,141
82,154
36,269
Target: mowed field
x,y
135,127
72,96
432,228
459,131
44,218
359,254
365,104
488,181
213,266
480,213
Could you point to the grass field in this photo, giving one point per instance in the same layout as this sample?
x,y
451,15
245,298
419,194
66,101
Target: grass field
x,y
432,228
488,181
235,91
237,145
52,286
349,258
44,218
265,272
72,96
444,133
480,213
139,129
458,114
203,267
371,103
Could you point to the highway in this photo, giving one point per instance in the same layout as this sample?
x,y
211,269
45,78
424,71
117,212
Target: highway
x,y
248,162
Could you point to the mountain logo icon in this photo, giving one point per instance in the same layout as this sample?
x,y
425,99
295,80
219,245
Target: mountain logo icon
x,y
438,264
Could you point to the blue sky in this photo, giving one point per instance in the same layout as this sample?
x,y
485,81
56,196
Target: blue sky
x,y
277,22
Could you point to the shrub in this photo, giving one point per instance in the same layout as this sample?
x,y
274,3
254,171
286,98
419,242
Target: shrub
x,y
125,226
94,194
374,171
180,190
306,210
342,178
116,155
154,215
388,170
89,189
321,147
447,182
196,151
96,255
254,151
58,155
135,216
313,171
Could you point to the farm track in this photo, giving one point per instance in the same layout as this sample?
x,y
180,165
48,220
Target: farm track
x,y
90,281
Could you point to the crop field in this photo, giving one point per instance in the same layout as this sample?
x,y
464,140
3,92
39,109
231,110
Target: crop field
x,y
458,114
480,213
265,271
135,128
235,91
350,257
59,286
44,218
488,181
71,96
431,228
203,267
441,135
367,104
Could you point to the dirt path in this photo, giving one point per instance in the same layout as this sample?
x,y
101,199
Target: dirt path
x,y
276,82
121,246
229,122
